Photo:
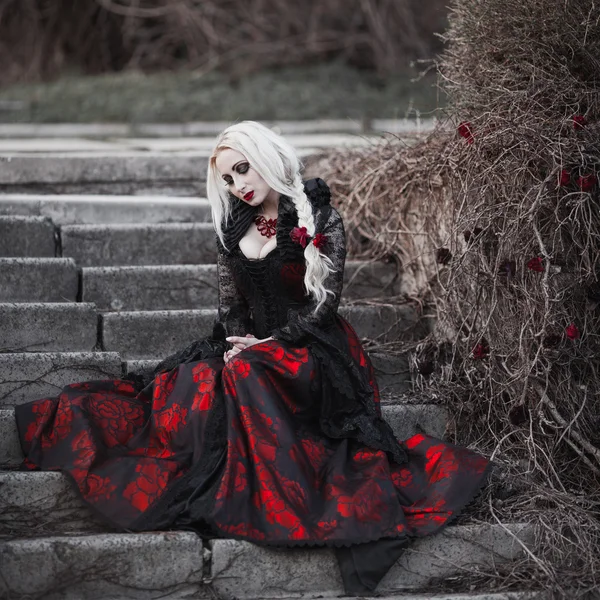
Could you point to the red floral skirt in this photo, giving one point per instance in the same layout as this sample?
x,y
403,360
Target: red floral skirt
x,y
277,480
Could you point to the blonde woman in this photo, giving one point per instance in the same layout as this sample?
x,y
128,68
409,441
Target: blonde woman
x,y
269,431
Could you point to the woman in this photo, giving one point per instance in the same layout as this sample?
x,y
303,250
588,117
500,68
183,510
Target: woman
x,y
269,431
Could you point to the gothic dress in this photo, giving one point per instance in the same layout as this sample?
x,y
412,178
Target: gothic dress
x,y
283,445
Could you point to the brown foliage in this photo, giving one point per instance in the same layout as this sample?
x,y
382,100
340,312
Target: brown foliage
x,y
497,216
38,38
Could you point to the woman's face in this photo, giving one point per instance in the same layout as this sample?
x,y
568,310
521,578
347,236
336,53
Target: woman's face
x,y
241,179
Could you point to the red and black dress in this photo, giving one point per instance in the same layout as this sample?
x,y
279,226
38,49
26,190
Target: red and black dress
x,y
283,445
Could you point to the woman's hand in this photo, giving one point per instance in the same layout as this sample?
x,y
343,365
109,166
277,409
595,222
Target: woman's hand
x,y
241,343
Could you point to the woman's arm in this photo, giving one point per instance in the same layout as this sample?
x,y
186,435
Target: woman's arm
x,y
234,312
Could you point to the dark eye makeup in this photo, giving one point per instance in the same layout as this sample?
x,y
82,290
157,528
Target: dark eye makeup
x,y
241,168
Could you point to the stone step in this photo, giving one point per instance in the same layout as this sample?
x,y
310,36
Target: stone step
x,y
180,287
38,327
38,280
171,565
106,566
156,334
405,420
27,236
139,244
33,375
523,595
244,571
95,209
135,173
391,371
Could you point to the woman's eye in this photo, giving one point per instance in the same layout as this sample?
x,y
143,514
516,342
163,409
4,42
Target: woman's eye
x,y
243,168
228,183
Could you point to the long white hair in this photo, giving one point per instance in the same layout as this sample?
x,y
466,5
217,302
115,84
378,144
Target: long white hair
x,y
275,160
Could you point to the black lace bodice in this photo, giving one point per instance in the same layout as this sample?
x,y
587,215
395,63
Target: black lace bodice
x,y
266,297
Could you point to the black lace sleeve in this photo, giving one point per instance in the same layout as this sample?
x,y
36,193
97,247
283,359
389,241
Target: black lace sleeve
x,y
234,312
329,223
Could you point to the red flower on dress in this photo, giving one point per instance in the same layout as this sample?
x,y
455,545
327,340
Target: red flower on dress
x,y
300,236
564,178
241,368
319,241
118,419
86,451
41,409
98,487
171,419
587,182
536,264
578,122
204,376
163,386
151,481
572,332
465,130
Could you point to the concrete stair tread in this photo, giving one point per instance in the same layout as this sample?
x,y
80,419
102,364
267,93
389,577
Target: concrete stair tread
x,y
154,334
23,236
38,280
123,173
180,287
32,375
243,571
73,209
139,244
405,420
159,562
27,376
37,326
142,565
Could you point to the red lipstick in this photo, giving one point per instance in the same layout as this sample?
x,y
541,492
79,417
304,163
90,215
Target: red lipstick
x,y
249,196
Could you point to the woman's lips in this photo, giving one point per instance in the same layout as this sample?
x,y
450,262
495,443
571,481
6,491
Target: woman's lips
x,y
249,196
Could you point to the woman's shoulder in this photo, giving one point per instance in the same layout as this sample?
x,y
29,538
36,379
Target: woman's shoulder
x,y
318,192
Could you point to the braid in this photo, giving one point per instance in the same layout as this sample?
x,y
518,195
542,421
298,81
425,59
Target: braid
x,y
318,266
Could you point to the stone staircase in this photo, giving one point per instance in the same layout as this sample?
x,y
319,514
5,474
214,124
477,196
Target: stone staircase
x,y
96,285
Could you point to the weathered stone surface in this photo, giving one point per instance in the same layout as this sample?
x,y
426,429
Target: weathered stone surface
x,y
29,376
43,503
385,322
26,236
59,130
181,287
96,209
129,244
59,327
469,596
173,287
156,334
392,373
38,280
104,566
364,279
408,419
242,571
134,173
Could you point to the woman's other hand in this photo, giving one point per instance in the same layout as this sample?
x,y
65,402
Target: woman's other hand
x,y
241,343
